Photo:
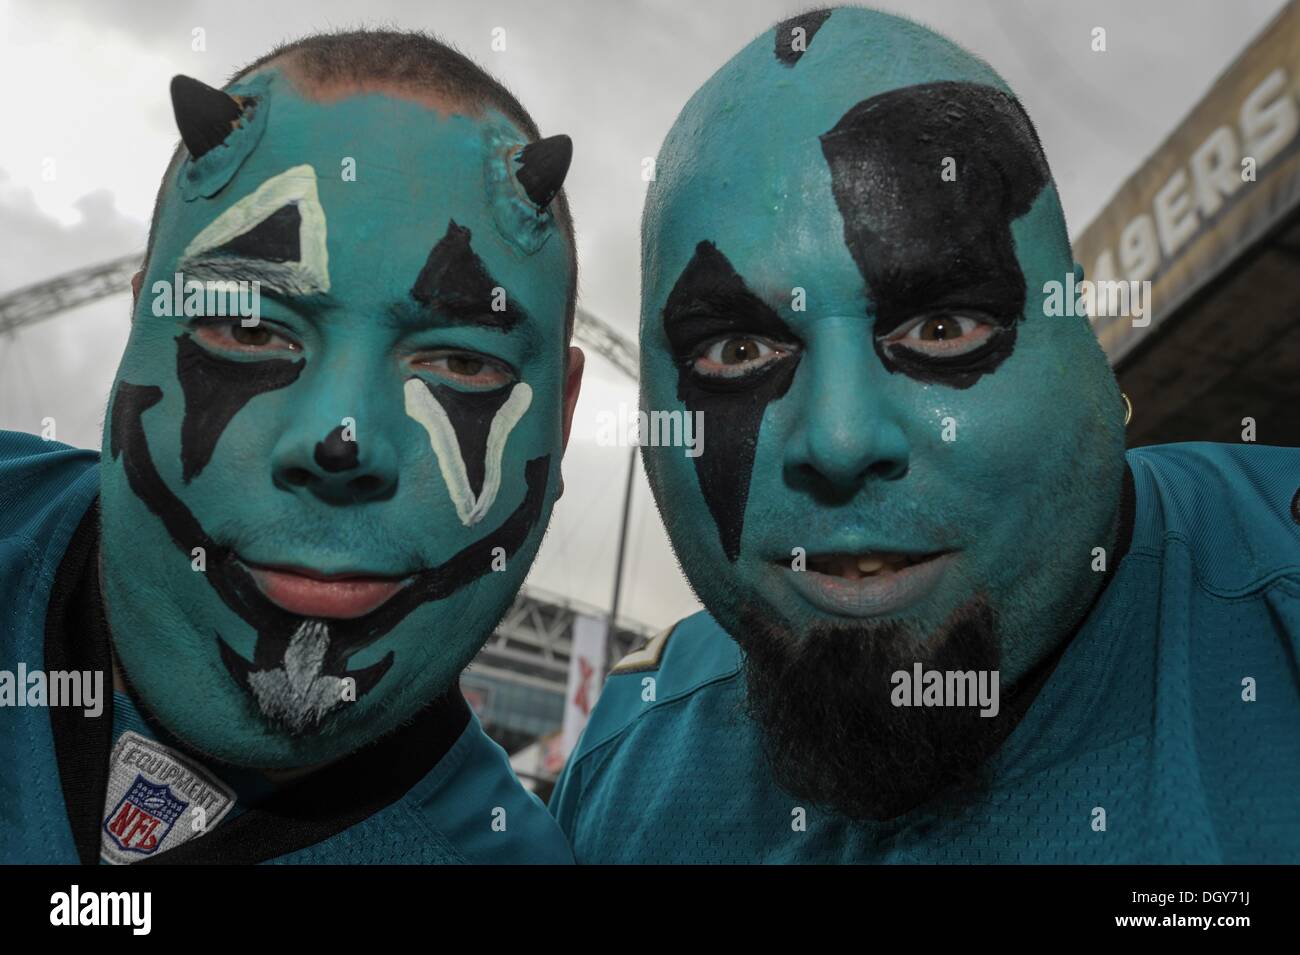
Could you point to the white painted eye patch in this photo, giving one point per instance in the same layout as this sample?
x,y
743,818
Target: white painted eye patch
x,y
424,407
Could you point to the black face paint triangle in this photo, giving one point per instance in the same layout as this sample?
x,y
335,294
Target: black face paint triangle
x,y
215,388
274,239
787,50
455,282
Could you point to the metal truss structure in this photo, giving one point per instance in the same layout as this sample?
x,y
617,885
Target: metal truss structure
x,y
531,645
34,303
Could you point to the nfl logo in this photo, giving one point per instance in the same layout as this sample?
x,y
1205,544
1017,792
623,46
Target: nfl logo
x,y
144,817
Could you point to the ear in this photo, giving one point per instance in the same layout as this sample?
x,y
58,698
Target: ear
x,y
137,280
572,385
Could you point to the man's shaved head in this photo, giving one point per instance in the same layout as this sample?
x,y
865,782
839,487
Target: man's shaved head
x,y
765,95
846,255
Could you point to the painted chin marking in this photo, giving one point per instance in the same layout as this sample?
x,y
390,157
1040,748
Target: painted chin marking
x,y
868,585
310,593
300,693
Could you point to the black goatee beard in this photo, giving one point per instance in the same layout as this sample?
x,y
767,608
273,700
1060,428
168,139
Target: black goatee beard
x,y
830,732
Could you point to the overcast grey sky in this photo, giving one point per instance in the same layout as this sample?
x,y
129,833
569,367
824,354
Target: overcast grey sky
x,y
86,84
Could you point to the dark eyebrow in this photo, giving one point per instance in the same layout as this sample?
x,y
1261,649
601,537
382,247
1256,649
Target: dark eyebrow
x,y
456,287
269,284
710,299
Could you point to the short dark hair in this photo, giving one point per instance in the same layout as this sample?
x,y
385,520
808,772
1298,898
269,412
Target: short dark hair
x,y
412,59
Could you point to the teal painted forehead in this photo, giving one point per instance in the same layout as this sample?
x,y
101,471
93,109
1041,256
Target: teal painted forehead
x,y
749,143
349,197
849,54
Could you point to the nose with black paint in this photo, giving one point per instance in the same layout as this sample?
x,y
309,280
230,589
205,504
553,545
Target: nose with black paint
x,y
337,469
338,452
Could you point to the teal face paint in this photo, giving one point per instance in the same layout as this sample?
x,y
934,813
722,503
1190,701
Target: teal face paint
x,y
866,338
243,464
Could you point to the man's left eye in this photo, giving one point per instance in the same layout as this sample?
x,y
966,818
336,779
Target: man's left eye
x,y
737,356
466,368
235,336
941,334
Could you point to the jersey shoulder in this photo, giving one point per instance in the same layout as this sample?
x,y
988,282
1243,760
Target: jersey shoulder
x,y
1236,507
660,678
45,489
477,804
683,659
40,481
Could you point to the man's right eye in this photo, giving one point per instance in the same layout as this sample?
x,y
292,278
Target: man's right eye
x,y
465,368
235,336
737,355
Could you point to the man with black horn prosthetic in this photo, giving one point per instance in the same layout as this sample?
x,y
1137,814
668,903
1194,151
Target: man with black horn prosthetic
x,y
330,453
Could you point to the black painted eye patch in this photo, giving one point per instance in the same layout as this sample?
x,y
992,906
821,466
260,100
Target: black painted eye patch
x,y
690,332
952,248
710,300
956,371
215,388
471,414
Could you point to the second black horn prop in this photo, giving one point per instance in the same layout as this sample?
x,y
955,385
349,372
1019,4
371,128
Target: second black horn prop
x,y
541,168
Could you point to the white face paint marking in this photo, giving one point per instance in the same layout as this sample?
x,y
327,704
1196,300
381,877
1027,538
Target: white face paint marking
x,y
424,408
296,186
297,695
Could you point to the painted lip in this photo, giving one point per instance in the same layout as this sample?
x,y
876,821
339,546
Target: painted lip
x,y
311,593
872,595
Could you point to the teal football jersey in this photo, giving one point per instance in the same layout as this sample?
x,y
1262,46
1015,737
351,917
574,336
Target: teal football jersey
x,y
114,787
1169,731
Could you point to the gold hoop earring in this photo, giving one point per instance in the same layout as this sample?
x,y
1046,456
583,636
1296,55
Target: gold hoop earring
x,y
1128,409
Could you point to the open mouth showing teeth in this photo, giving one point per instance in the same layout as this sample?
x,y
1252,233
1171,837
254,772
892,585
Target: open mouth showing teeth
x,y
870,564
867,583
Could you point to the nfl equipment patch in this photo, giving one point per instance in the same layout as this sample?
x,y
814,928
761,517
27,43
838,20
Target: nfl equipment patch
x,y
156,800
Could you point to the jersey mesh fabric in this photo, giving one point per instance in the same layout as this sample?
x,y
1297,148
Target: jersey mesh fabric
x,y
1144,717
